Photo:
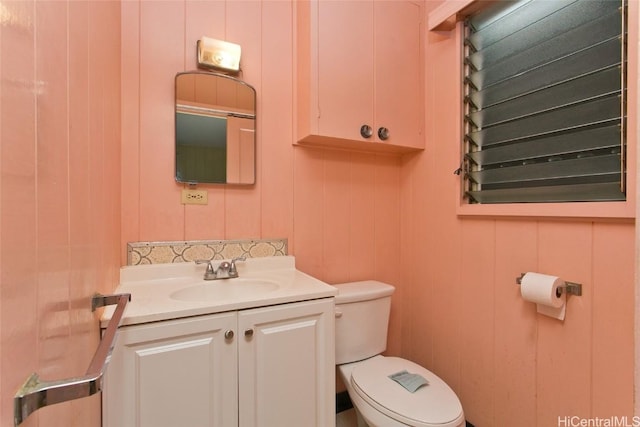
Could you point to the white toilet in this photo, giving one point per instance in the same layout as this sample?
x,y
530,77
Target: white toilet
x,y
362,318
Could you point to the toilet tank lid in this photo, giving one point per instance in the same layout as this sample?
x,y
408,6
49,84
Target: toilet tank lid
x,y
362,291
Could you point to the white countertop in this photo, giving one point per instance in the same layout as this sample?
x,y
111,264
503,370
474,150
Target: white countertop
x,y
151,288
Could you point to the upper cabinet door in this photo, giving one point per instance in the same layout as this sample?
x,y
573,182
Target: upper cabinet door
x,y
398,77
360,74
345,53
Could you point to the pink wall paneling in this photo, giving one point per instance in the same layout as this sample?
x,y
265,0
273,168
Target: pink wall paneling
x,y
59,192
465,318
18,289
334,207
161,56
52,200
104,118
516,331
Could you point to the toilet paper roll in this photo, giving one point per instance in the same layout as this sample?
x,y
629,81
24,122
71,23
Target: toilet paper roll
x,y
544,290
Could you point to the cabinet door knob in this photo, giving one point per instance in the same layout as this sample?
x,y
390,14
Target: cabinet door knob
x,y
228,334
383,133
248,333
366,131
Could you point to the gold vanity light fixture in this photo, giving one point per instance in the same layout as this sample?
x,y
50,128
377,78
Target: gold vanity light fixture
x,y
218,54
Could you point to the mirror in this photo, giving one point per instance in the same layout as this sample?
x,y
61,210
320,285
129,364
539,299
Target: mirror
x,y
215,129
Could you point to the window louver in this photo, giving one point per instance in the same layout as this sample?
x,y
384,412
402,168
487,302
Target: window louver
x,y
545,102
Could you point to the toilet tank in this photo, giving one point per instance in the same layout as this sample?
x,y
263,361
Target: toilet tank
x,y
362,319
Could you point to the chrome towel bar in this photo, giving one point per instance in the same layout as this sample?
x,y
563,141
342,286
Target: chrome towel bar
x,y
35,394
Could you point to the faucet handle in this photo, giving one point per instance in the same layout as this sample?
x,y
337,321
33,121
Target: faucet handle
x,y
233,270
208,262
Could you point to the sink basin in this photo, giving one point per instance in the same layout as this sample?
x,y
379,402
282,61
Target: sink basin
x,y
224,289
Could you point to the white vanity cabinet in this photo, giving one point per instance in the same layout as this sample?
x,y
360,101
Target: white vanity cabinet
x,y
268,366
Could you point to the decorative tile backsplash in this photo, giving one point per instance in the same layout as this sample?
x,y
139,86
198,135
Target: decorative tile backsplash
x,y
169,252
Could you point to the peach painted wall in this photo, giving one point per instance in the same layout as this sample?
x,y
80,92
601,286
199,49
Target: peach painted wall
x,y
59,193
351,216
340,211
462,315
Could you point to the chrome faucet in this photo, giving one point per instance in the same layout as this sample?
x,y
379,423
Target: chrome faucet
x,y
225,270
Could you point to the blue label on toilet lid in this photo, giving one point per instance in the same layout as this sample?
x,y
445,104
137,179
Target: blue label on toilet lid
x,y
409,381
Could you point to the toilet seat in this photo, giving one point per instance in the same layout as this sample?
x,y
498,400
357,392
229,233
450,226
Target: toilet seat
x,y
432,405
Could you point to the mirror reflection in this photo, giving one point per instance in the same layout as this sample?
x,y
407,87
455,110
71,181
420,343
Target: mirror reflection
x,y
215,129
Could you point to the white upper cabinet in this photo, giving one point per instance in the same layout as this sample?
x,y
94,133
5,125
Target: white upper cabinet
x,y
360,74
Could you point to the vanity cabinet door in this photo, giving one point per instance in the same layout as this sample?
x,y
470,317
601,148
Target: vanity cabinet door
x,y
174,373
360,74
287,365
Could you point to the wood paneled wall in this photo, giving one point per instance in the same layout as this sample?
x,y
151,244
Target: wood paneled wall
x,y
351,216
59,193
463,316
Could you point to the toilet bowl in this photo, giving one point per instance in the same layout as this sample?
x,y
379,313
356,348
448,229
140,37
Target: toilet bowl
x,y
362,316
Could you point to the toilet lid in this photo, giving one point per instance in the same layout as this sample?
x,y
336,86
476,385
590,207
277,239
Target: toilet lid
x,y
432,404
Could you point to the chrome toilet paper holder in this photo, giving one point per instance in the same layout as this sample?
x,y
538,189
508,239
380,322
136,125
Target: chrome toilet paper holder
x,y
570,288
